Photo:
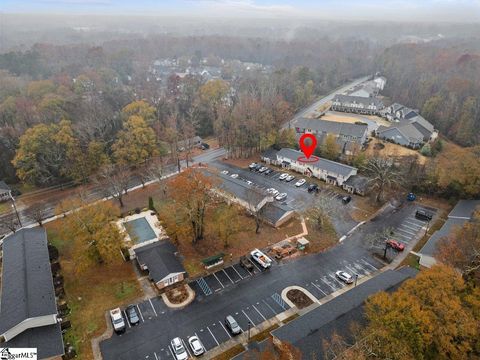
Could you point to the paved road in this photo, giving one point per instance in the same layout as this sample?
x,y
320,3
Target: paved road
x,y
311,108
95,192
247,296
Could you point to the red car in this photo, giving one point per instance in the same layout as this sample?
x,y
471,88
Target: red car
x,y
396,245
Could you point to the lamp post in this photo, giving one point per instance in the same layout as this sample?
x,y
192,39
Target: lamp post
x,y
15,208
356,278
249,326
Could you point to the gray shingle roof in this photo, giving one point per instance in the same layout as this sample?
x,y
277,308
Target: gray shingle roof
x,y
241,190
464,209
273,212
308,331
423,122
47,339
332,127
27,285
358,182
160,259
409,131
357,99
324,164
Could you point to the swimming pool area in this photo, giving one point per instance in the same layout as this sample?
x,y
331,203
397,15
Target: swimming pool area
x,y
140,230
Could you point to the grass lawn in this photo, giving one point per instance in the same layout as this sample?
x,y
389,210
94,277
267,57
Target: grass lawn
x,y
5,207
92,293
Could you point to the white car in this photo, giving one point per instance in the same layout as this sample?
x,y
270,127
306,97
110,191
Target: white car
x,y
289,178
272,191
300,182
252,165
261,259
224,172
283,176
234,176
344,276
263,169
196,345
281,196
249,182
179,351
117,320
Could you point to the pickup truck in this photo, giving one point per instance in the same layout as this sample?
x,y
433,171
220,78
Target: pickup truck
x,y
117,320
260,258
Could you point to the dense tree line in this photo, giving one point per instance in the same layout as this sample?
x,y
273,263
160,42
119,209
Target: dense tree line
x,y
442,80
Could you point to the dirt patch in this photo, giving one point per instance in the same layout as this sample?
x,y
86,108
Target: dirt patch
x,y
353,118
177,295
242,163
382,148
299,298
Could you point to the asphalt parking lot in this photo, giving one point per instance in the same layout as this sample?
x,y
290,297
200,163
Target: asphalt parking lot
x,y
410,227
254,297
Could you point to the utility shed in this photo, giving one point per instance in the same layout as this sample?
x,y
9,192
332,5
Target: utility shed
x,y
28,309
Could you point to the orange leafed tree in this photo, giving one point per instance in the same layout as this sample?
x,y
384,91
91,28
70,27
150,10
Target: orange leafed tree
x,y
191,193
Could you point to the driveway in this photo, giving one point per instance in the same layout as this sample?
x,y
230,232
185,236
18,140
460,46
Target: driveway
x,y
249,297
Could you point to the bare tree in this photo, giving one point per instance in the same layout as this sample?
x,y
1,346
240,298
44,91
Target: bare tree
x,y
378,240
156,171
10,222
323,210
383,175
37,213
256,203
114,181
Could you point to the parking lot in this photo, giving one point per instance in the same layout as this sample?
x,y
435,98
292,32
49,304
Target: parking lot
x,y
410,227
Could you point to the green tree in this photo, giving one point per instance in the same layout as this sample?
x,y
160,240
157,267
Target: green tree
x,y
136,143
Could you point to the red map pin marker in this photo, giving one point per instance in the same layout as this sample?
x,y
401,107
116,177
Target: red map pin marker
x,y
308,149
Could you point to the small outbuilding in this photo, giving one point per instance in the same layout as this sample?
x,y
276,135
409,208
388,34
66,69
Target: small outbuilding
x,y
5,191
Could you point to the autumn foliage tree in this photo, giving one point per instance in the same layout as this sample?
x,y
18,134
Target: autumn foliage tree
x,y
191,193
96,238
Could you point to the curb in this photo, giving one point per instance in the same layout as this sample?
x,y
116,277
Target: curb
x,y
191,297
295,287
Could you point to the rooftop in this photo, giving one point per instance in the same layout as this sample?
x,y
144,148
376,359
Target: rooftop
x,y
4,186
357,99
332,127
160,259
324,164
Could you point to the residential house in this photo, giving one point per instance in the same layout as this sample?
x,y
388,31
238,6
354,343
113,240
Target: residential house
x,y
162,263
5,191
28,310
406,135
356,184
330,171
460,214
357,104
336,316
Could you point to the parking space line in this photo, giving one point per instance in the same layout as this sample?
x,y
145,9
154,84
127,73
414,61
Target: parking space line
x,y
318,288
278,299
248,318
188,351
264,318
229,278
328,284
126,319
253,262
419,226
223,287
368,264
141,315
171,352
411,227
153,308
233,267
415,221
358,267
156,357
406,231
274,312
402,235
230,336
353,271
214,338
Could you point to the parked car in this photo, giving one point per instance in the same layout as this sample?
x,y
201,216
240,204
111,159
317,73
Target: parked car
x,y
204,146
346,199
249,182
178,349
246,263
344,276
312,188
132,315
281,196
224,172
258,167
262,169
283,176
196,345
394,244
300,182
411,197
232,325
234,176
423,215
252,166
117,320
289,178
260,258
268,171
272,191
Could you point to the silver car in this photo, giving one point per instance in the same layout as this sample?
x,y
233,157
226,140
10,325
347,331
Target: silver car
x,y
179,351
281,196
344,276
196,345
283,176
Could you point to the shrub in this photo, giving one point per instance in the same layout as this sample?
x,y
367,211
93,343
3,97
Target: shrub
x,y
150,204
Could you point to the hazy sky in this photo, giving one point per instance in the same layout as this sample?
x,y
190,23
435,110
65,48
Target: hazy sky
x,y
415,10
